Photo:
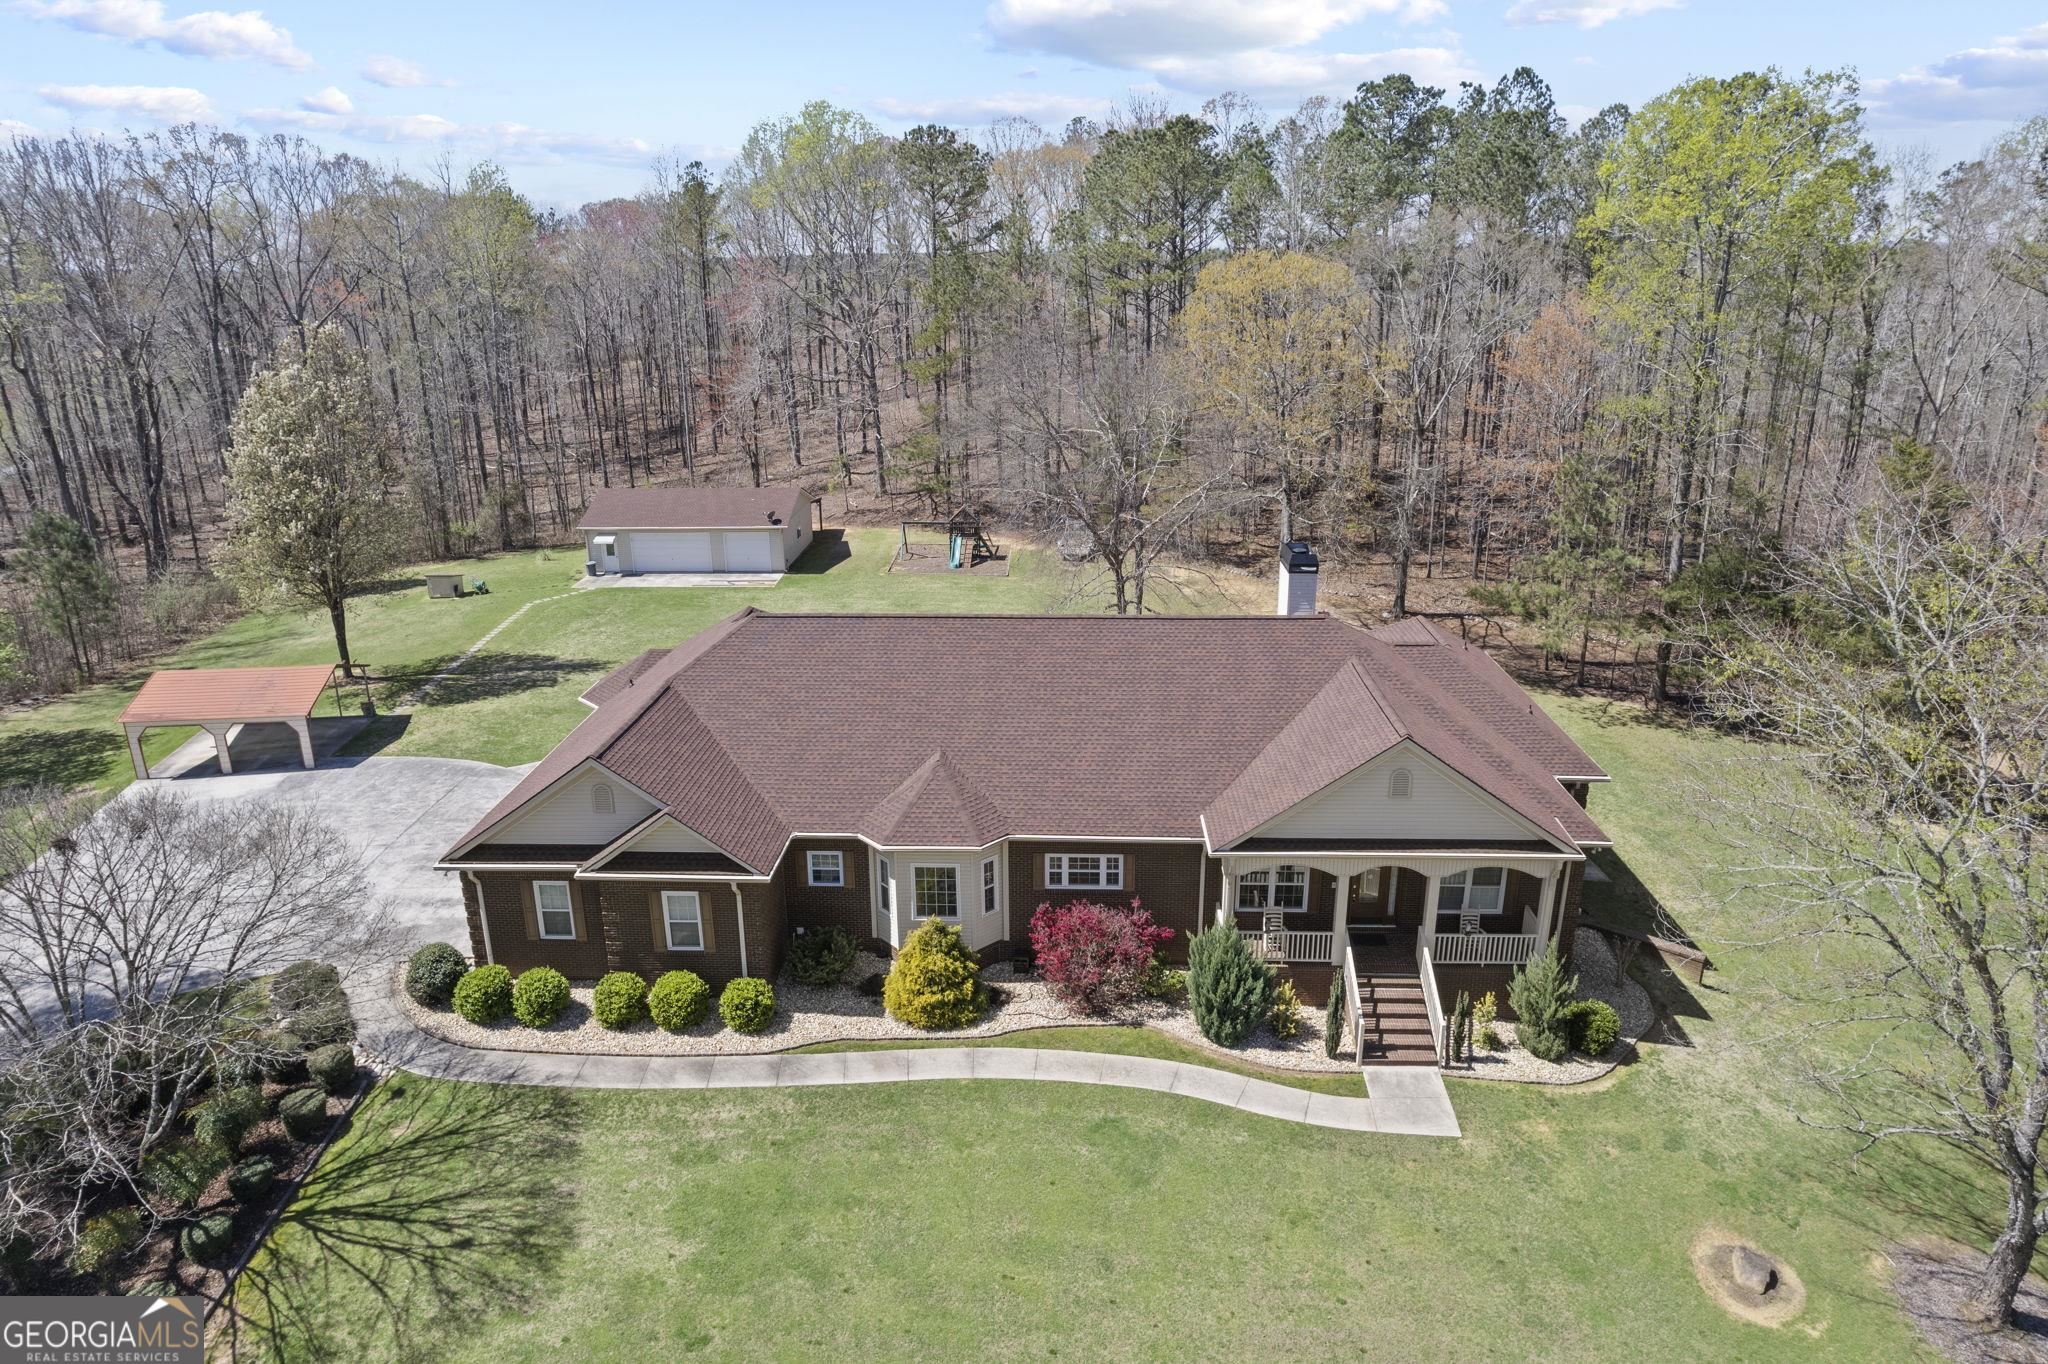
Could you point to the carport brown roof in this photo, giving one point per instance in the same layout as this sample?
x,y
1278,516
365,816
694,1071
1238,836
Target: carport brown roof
x,y
190,696
691,508
951,730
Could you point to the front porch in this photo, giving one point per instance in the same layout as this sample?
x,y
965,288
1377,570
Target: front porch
x,y
1387,924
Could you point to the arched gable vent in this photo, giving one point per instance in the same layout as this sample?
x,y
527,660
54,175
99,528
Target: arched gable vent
x,y
601,799
1398,784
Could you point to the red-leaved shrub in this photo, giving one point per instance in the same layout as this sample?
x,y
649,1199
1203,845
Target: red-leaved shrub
x,y
1094,956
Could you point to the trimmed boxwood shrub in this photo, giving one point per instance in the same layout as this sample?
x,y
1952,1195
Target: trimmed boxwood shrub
x,y
333,1067
821,956
747,1004
484,995
619,1001
304,1112
431,975
181,1171
223,1119
1592,1025
539,996
935,982
252,1178
325,1024
1230,990
679,1000
284,1057
304,985
105,1239
209,1239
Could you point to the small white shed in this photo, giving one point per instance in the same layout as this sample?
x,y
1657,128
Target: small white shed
x,y
696,530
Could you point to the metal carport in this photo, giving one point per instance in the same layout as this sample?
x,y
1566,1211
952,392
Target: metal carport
x,y
219,700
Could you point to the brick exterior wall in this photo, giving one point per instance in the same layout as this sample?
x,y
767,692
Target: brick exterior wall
x,y
1167,877
1477,980
619,928
850,906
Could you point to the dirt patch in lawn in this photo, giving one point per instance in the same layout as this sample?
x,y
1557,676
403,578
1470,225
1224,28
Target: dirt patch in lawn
x,y
1749,1284
1933,1277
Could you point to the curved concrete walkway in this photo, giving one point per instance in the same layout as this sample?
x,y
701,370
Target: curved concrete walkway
x,y
1399,1100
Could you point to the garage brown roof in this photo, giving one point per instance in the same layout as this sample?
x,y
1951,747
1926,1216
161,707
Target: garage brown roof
x,y
958,730
692,508
190,696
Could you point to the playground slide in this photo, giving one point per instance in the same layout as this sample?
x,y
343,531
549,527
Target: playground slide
x,y
956,551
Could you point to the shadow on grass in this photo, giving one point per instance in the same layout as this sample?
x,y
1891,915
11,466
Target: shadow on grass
x,y
376,736
402,583
828,550
1623,901
483,677
439,1205
57,757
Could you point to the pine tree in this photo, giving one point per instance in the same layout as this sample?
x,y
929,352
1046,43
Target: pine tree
x,y
1229,989
1540,993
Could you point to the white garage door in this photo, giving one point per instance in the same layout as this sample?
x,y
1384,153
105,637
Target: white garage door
x,y
753,551
670,551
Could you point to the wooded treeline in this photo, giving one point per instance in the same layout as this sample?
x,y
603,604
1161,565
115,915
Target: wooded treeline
x,y
1600,369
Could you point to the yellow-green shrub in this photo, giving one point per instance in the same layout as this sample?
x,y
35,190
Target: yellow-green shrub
x,y
935,982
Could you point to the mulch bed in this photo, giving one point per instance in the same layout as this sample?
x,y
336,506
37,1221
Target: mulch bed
x,y
1932,1278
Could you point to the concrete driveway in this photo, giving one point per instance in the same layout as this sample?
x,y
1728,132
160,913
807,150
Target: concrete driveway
x,y
400,814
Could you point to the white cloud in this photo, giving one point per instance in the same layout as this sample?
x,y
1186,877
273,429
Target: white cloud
x,y
396,73
1136,33
1205,46
332,100
1998,83
12,128
1041,106
507,141
1583,13
1268,74
164,103
244,35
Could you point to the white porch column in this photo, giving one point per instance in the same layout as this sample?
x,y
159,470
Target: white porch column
x,y
135,751
1546,910
1426,935
220,747
304,729
1339,912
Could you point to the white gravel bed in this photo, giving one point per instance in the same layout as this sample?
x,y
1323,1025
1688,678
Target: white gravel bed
x,y
1594,961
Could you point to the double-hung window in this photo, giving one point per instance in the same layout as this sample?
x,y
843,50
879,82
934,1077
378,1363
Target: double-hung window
x,y
988,885
682,918
1478,891
1283,888
936,891
553,910
827,869
1084,871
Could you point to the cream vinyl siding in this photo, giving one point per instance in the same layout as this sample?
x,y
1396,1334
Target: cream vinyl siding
x,y
976,929
567,814
796,536
1439,805
665,835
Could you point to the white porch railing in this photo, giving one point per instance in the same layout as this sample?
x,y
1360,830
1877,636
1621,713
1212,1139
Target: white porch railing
x,y
1294,945
1430,999
1485,949
1351,1000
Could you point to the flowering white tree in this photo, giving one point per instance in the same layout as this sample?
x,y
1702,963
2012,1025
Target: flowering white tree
x,y
307,510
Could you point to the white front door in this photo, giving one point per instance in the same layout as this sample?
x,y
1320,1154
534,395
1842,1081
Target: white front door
x,y
608,555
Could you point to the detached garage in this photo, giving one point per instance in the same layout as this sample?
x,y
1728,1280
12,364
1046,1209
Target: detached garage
x,y
695,530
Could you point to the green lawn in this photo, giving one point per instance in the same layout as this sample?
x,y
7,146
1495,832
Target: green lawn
x,y
518,697
1009,1220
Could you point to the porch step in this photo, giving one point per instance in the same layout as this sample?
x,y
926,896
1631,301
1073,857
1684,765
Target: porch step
x,y
1396,1020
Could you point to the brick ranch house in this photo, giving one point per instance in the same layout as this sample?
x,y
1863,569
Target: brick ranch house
x,y
1383,808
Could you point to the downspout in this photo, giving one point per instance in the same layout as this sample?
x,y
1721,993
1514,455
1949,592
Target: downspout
x,y
490,957
740,903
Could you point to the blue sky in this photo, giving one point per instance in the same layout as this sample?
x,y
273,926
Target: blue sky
x,y
577,101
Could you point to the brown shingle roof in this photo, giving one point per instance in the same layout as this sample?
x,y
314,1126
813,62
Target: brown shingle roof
x,y
191,695
961,729
691,508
